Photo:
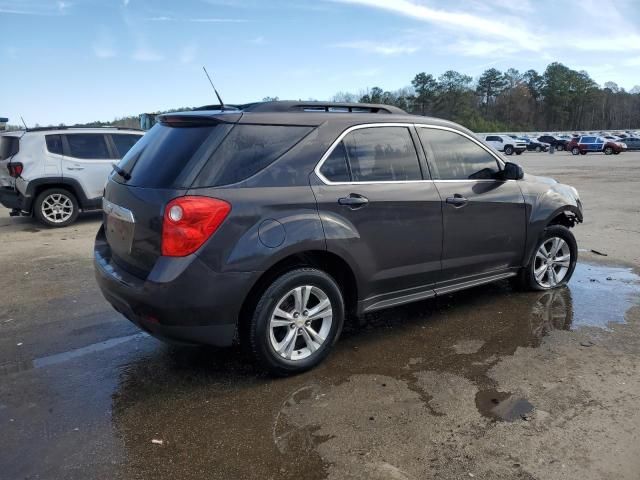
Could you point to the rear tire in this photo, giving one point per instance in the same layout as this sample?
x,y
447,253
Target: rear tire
x,y
56,207
560,148
553,260
286,335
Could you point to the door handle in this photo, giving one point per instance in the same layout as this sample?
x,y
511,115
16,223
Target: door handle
x,y
75,167
353,201
457,200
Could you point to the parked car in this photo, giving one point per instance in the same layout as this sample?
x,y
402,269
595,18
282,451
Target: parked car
x,y
556,142
586,144
267,225
632,143
534,145
506,144
54,173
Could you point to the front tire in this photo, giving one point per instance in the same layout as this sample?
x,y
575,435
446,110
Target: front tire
x,y
508,150
560,148
575,151
538,149
553,260
608,151
56,207
296,322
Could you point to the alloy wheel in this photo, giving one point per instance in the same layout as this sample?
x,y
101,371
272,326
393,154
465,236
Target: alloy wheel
x,y
300,322
57,208
552,262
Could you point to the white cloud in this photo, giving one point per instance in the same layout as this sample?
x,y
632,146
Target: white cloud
x,y
378,47
188,53
145,54
104,44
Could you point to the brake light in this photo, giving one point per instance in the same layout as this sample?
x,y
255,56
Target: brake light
x,y
15,169
189,221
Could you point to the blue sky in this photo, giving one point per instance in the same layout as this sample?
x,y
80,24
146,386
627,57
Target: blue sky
x,y
81,60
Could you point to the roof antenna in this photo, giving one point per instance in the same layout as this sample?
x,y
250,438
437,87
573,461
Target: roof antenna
x,y
24,123
214,89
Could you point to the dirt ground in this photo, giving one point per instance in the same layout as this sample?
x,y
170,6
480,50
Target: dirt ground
x,y
489,383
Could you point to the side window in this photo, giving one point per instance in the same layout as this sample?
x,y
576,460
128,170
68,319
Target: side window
x,y
124,142
335,168
87,145
382,154
492,138
456,157
54,143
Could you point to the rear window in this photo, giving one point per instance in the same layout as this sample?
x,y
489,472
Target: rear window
x,y
124,143
247,150
167,157
90,146
9,146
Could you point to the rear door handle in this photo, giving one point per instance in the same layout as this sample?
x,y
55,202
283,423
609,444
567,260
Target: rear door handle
x,y
353,201
75,167
457,200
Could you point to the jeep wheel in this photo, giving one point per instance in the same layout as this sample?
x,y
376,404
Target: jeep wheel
x,y
56,207
553,260
560,148
608,151
296,321
508,150
575,151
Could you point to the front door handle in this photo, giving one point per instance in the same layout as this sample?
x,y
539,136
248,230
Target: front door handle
x,y
457,200
353,201
76,167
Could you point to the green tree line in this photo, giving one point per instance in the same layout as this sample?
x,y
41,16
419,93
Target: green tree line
x,y
557,99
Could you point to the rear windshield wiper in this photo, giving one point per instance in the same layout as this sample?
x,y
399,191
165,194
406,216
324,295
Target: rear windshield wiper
x,y
121,172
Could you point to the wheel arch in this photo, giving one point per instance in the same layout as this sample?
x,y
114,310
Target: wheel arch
x,y
37,186
328,262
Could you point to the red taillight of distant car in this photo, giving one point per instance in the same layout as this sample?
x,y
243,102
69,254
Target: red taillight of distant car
x,y
189,221
15,169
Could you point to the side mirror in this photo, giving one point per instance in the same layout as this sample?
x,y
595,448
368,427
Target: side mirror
x,y
512,171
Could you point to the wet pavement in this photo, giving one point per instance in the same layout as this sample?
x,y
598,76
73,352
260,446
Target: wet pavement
x,y
409,392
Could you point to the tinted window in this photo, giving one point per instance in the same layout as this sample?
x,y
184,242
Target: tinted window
x,y
124,143
382,154
54,143
9,146
456,157
335,168
87,145
247,150
170,156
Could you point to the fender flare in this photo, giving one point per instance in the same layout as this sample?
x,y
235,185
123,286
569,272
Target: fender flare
x,y
34,185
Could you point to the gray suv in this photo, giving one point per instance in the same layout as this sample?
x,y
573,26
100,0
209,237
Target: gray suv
x,y
269,223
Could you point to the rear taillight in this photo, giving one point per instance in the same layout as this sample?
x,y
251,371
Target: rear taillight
x,y
189,221
15,169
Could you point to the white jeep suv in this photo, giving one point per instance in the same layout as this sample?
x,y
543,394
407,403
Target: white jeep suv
x,y
506,144
54,173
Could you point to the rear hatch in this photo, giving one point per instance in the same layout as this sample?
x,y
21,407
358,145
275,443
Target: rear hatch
x,y
9,147
159,167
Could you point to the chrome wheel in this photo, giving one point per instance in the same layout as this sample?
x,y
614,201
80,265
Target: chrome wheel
x,y
300,323
552,262
57,208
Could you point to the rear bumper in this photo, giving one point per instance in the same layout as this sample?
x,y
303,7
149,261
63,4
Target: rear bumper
x,y
10,198
186,302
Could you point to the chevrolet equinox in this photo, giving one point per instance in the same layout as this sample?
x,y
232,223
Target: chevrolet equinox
x,y
268,223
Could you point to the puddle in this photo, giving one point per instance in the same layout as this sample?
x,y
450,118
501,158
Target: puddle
x,y
217,414
502,406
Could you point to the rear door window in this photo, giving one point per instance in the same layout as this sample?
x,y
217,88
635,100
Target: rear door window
x,y
455,157
54,143
124,142
248,149
382,154
9,146
88,146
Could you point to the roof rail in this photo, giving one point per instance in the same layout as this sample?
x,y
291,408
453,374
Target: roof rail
x,y
313,106
44,129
